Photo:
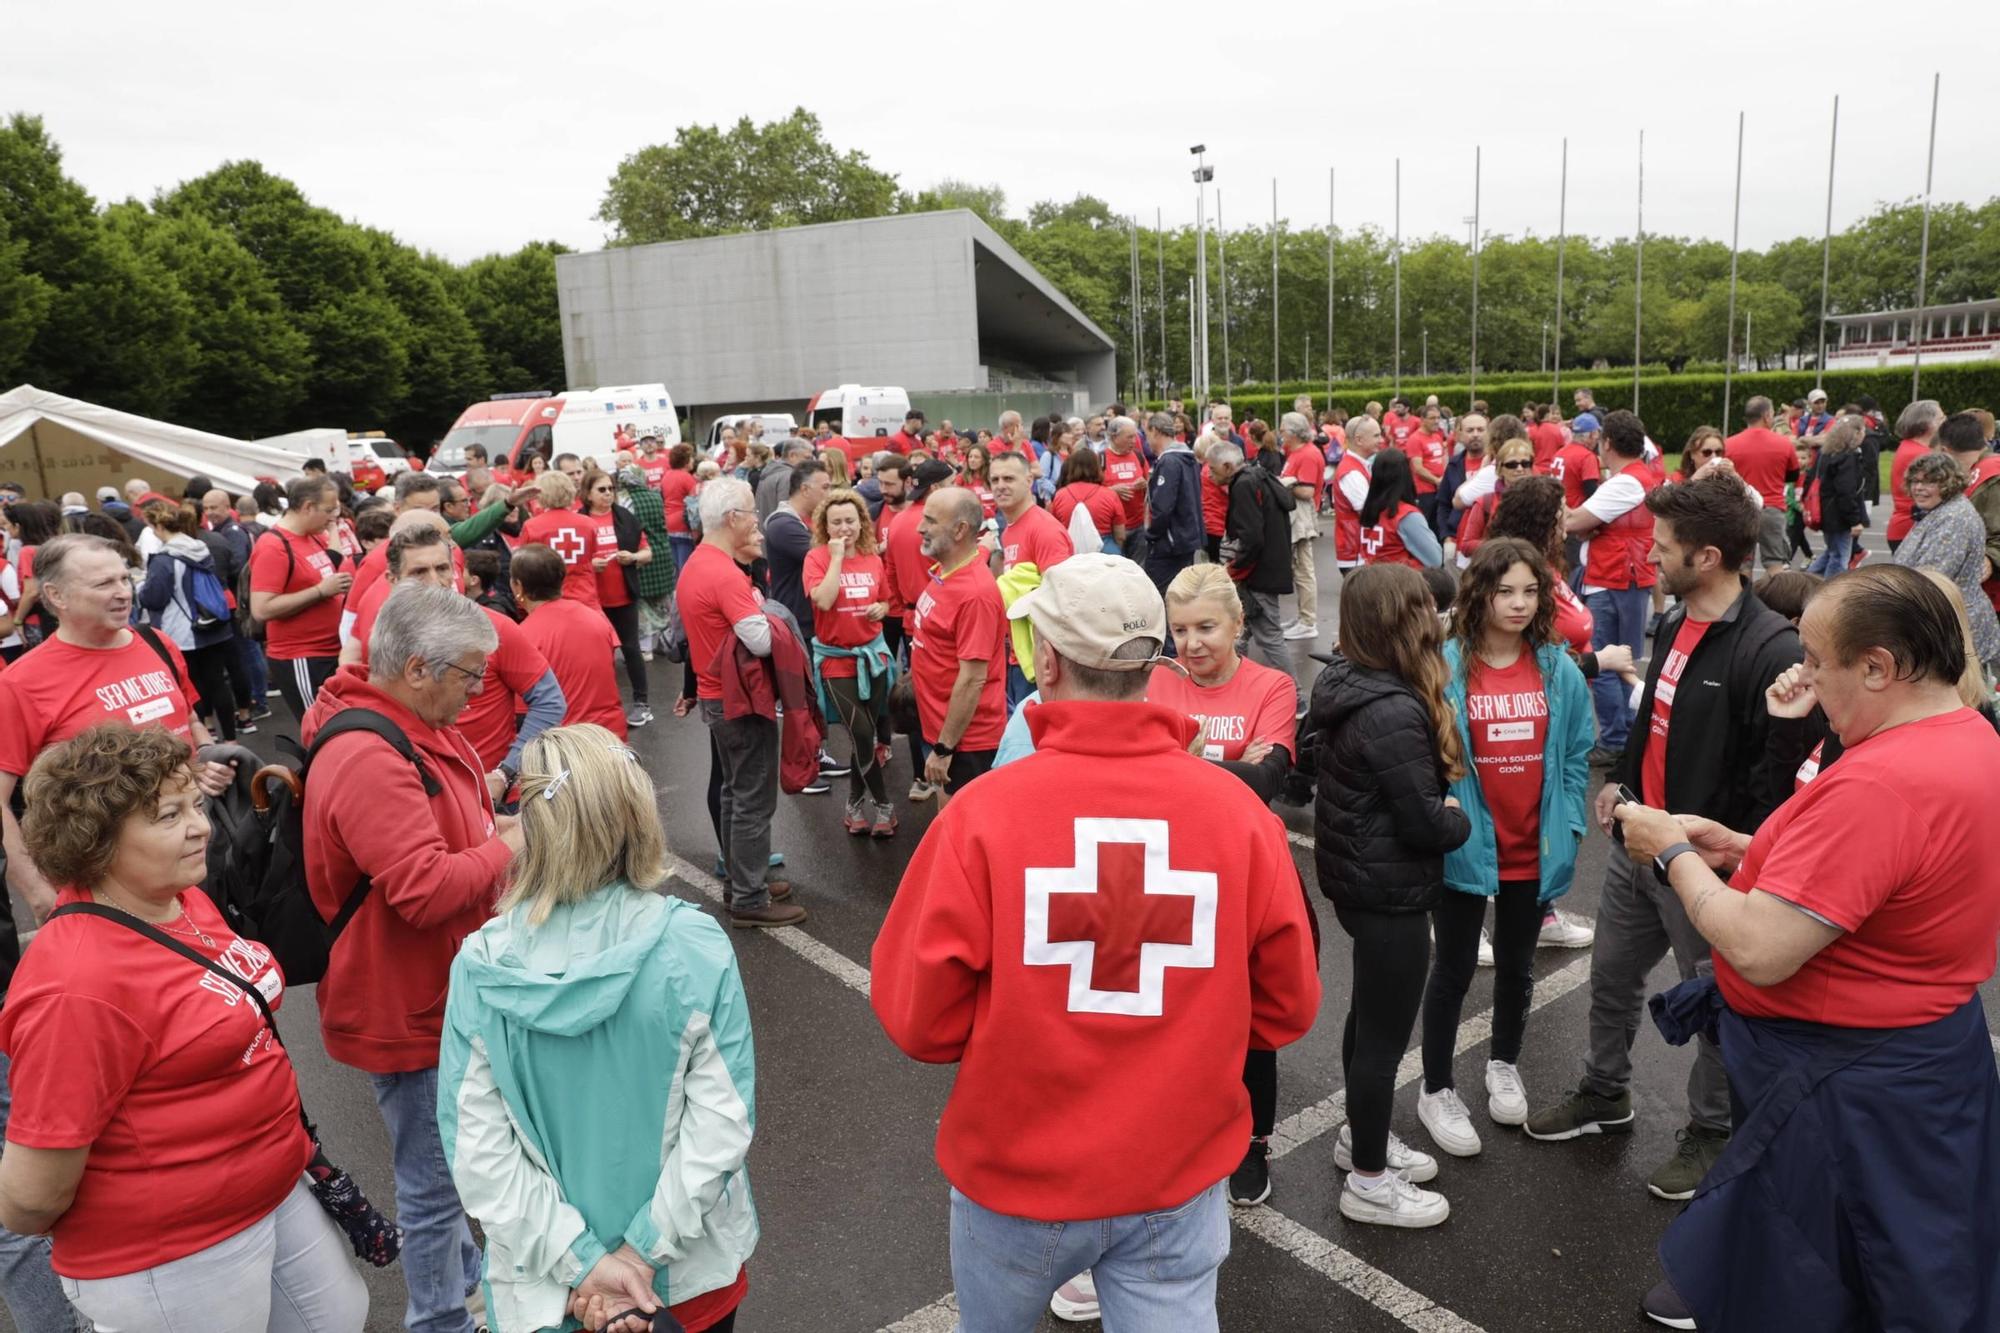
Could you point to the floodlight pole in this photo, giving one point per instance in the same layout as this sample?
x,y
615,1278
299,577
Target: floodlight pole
x,y
1329,286
1639,274
1735,229
1397,375
1562,240
1160,253
1222,263
1826,250
1473,390
1277,374
1924,250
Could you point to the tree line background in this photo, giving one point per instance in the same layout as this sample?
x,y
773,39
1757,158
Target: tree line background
x,y
232,303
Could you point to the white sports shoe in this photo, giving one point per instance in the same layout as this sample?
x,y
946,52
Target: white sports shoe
x,y
1075,1301
1393,1202
1404,1160
1302,631
1485,949
1445,1116
1506,1098
1559,932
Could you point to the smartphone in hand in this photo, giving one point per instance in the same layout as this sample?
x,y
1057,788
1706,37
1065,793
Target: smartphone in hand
x,y
1626,796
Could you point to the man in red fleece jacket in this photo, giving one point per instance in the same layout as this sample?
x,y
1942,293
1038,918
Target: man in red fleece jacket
x,y
434,853
1137,945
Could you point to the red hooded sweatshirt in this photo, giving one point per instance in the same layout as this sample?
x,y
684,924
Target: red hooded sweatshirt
x,y
436,867
1097,972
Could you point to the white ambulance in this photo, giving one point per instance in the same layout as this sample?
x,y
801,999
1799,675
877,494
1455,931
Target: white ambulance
x,y
590,419
857,411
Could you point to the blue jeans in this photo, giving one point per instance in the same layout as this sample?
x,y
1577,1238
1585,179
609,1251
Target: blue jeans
x,y
1019,687
1155,1272
440,1261
1833,560
1616,616
251,653
683,544
27,1283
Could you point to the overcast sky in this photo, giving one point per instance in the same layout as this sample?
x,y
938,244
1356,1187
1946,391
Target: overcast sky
x,y
468,128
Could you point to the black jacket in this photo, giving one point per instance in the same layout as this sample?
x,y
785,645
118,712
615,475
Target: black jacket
x,y
1840,491
1259,530
1727,758
1379,818
625,524
1175,503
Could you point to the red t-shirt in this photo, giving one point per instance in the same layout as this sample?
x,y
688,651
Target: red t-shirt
x,y
1653,773
166,1073
675,487
712,594
1258,703
959,618
57,689
1549,440
1305,465
315,631
576,642
1891,846
903,553
1573,465
1810,768
488,722
1900,520
655,468
1764,459
1399,427
1120,469
1428,449
1574,623
365,613
1507,712
611,589
573,538
1035,536
864,581
1106,510
1214,504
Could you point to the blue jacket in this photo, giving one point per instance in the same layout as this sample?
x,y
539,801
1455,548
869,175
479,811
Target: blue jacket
x,y
1175,500
1473,866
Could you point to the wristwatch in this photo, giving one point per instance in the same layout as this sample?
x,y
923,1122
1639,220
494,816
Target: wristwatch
x,y
947,751
1667,855
511,775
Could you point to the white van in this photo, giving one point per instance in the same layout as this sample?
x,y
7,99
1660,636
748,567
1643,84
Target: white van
x,y
777,426
590,418
857,411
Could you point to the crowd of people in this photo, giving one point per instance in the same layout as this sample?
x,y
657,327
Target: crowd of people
x,y
1091,617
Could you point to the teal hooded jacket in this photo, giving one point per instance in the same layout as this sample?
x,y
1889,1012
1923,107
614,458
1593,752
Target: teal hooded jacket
x,y
1473,867
597,1086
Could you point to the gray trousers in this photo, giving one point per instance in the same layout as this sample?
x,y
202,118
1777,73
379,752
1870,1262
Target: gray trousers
x,y
1639,918
748,748
1262,629
1774,548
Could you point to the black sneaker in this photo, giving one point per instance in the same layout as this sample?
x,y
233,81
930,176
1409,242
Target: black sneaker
x,y
1663,1305
260,712
829,767
1582,1112
1250,1183
819,786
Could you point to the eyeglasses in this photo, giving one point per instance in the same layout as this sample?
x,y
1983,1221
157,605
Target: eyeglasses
x,y
1518,465
1708,453
474,676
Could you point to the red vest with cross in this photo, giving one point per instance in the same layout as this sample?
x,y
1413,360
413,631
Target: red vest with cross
x,y
1383,545
1615,556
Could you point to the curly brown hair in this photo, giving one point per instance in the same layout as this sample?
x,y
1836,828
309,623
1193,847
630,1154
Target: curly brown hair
x,y
1490,563
80,792
1531,510
842,495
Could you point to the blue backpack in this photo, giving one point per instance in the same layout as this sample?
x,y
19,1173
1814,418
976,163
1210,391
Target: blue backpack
x,y
208,603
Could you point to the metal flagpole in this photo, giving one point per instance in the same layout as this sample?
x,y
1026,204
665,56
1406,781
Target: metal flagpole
x,y
1201,269
1194,342
1735,227
1329,286
1639,274
1562,238
1398,356
1138,324
1473,391
1924,251
1826,249
1222,264
1160,251
1277,375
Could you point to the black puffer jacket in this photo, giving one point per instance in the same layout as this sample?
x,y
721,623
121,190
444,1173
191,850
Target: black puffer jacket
x,y
1379,817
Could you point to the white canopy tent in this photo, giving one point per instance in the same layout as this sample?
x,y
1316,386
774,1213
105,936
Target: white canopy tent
x,y
50,444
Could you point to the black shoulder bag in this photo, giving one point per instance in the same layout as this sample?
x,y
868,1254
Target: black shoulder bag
x,y
376,1239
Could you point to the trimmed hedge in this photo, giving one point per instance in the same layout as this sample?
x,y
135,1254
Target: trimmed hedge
x,y
1670,405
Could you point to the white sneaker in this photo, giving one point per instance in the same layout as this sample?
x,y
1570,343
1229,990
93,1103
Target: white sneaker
x,y
1559,932
1506,1098
1404,1160
1485,949
1302,631
922,791
1445,1116
1075,1301
1394,1202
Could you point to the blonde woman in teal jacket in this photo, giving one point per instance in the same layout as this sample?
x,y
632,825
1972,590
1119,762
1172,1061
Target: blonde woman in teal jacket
x,y
1526,725
598,1206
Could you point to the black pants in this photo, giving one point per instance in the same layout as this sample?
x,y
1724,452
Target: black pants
x,y
1517,925
1392,952
299,679
1162,566
1795,532
965,766
208,672
1260,1080
858,716
892,636
625,619
1427,505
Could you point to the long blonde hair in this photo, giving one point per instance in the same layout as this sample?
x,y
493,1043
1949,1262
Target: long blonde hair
x,y
1389,623
588,819
1972,691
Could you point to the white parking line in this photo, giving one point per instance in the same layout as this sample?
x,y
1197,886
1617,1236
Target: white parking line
x,y
940,1316
828,960
1371,1284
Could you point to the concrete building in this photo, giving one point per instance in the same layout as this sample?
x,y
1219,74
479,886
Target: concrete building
x,y
936,303
1962,331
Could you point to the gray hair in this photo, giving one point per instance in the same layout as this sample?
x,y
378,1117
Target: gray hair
x,y
301,491
409,483
431,625
1362,426
53,557
1009,418
796,448
1919,419
1160,423
1296,425
884,458
1757,408
1119,425
720,496
1223,453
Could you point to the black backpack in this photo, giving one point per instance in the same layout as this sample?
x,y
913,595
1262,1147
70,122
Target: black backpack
x,y
256,853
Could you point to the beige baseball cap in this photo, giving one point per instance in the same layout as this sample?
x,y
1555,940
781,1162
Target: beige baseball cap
x,y
1091,605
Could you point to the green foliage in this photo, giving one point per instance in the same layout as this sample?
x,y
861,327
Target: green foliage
x,y
747,178
511,301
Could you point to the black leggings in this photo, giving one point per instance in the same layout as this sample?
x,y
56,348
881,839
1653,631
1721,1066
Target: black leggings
x,y
858,716
1517,925
1260,1080
625,619
208,672
299,679
1391,956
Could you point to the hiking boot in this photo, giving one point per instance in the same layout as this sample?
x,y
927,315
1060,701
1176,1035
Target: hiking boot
x,y
779,889
1250,1183
885,821
767,916
1663,1305
856,819
1695,1151
1581,1112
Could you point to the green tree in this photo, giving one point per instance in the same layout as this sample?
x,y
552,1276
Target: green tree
x,y
24,304
447,364
988,201
750,177
511,301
